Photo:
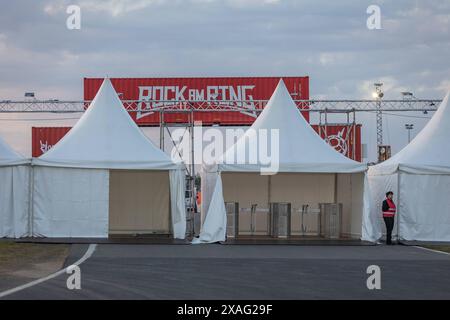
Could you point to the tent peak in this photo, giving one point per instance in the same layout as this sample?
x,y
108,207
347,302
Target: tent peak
x,y
106,137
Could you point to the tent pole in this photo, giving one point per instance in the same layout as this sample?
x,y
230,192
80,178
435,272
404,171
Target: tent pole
x,y
193,193
31,205
398,205
335,187
161,129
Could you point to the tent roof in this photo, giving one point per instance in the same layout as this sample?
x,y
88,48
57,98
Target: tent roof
x,y
106,137
301,149
428,152
8,156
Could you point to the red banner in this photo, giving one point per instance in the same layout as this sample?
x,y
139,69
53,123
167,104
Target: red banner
x,y
194,90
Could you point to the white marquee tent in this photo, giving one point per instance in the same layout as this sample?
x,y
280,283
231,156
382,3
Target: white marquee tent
x,y
419,176
14,193
105,177
310,171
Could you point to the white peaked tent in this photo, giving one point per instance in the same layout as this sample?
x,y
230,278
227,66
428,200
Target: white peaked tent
x,y
309,171
419,176
105,177
14,193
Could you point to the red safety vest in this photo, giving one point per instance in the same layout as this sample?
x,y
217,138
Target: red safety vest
x,y
391,210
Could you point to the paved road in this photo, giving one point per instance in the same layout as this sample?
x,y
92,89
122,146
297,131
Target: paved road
x,y
250,272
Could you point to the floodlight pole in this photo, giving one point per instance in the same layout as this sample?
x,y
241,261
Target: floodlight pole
x,y
379,115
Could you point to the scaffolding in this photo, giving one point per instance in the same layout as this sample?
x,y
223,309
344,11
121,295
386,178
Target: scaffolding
x,y
246,106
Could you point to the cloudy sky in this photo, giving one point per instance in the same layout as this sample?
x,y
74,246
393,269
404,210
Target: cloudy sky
x,y
327,40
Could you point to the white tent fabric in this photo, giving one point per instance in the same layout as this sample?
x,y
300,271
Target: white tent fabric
x,y
300,149
419,175
14,193
215,226
8,157
426,154
70,202
104,138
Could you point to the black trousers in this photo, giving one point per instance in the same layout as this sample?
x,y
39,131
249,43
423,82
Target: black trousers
x,y
389,221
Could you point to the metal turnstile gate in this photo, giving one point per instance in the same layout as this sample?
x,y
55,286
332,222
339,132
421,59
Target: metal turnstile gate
x,y
280,218
232,219
330,220
305,221
254,221
251,221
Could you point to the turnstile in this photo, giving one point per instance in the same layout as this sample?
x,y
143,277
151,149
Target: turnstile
x,y
280,219
232,209
254,221
330,220
251,221
305,221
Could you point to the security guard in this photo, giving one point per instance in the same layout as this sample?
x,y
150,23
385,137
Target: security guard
x,y
389,209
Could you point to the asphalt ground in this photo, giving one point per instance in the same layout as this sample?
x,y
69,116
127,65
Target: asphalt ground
x,y
266,272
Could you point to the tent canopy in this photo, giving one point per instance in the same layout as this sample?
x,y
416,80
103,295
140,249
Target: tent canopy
x,y
8,156
427,153
300,147
106,137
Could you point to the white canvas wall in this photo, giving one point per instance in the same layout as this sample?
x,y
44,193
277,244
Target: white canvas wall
x,y
424,210
14,201
70,202
376,187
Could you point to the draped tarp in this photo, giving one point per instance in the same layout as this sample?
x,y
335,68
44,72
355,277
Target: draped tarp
x,y
177,204
215,224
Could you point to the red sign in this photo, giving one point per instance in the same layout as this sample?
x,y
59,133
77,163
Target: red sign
x,y
220,90
43,138
344,138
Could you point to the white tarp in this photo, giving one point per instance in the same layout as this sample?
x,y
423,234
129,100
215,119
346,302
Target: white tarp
x,y
14,201
215,226
177,204
428,152
70,202
424,207
8,157
419,176
14,193
300,149
374,193
105,137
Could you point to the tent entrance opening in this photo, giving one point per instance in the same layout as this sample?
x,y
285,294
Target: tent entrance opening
x,y
139,202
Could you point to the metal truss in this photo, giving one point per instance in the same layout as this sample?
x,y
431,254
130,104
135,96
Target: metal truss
x,y
248,106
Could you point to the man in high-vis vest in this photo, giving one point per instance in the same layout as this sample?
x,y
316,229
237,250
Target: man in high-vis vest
x,y
389,209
